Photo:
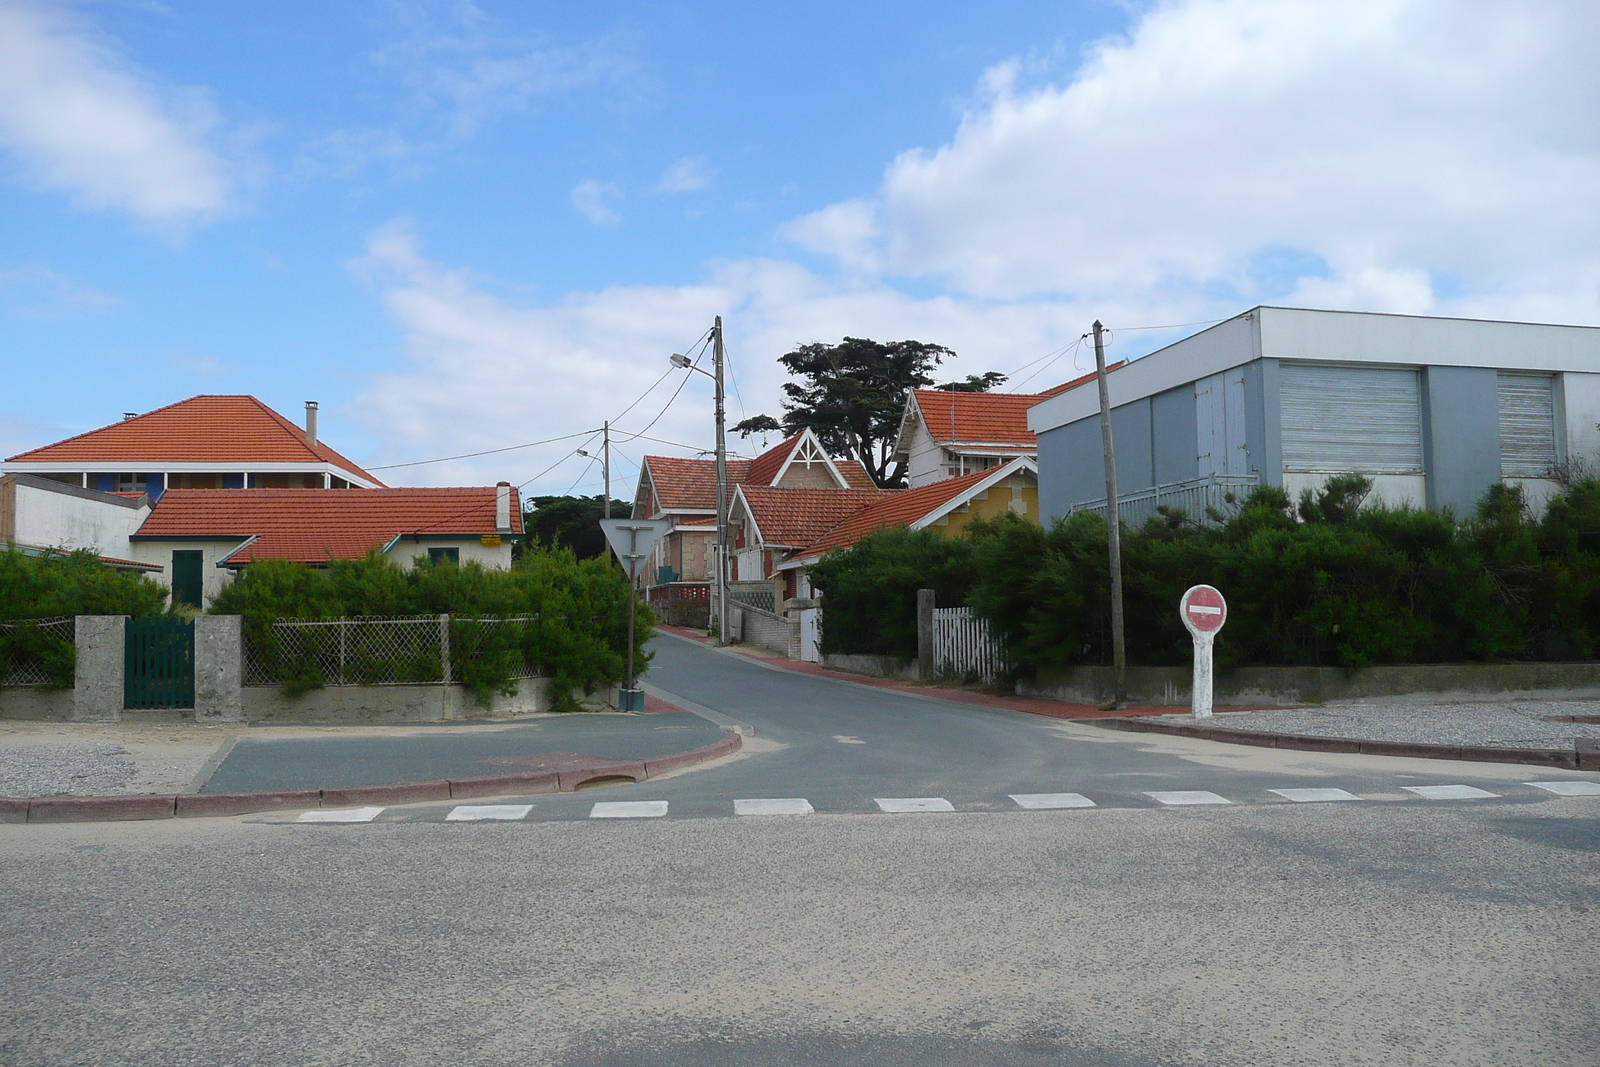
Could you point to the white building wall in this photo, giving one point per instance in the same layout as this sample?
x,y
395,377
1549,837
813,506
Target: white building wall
x,y
925,460
70,518
1581,393
212,577
472,550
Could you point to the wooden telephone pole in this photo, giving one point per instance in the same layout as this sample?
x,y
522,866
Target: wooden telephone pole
x,y
1119,648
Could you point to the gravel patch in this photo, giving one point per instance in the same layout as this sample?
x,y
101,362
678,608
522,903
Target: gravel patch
x,y
64,770
1526,724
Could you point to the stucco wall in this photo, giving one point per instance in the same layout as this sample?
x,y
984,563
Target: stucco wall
x,y
497,557
1016,492
213,578
54,515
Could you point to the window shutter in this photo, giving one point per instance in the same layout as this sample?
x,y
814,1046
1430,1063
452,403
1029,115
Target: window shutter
x,y
1527,425
1361,420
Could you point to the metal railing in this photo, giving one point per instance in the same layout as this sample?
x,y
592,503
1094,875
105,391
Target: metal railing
x,y
1193,498
384,650
29,648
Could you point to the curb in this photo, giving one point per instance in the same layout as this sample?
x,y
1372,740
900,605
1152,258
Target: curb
x,y
1584,756
213,805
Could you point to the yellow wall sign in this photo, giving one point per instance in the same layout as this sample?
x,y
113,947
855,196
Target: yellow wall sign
x,y
490,540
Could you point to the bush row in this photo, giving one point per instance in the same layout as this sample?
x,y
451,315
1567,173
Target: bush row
x,y
53,585
1322,581
578,638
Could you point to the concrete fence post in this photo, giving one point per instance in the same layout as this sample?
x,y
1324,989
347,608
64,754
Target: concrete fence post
x,y
444,649
219,668
925,634
102,644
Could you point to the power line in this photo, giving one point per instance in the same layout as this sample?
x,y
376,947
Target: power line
x,y
487,452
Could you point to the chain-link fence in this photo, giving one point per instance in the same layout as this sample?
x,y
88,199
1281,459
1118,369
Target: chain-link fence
x,y
37,651
388,650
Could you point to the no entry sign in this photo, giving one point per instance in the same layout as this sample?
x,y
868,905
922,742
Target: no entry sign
x,y
1203,610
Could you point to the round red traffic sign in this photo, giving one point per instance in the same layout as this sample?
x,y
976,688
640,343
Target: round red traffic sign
x,y
1203,610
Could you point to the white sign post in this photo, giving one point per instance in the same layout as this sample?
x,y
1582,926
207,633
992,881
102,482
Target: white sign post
x,y
632,540
1203,612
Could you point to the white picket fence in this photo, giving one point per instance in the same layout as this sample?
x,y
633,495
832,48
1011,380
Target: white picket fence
x,y
964,647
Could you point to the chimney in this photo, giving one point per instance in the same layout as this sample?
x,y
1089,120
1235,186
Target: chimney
x,y
126,415
502,507
311,422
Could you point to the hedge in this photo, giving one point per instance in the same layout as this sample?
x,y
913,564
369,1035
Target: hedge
x,y
1321,581
61,584
578,639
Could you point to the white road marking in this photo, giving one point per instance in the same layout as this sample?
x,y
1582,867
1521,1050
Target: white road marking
x,y
774,806
1313,796
846,739
479,812
1046,801
340,815
903,805
1569,789
1177,797
629,809
1449,792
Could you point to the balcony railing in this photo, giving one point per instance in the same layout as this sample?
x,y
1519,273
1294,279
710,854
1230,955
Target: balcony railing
x,y
1193,498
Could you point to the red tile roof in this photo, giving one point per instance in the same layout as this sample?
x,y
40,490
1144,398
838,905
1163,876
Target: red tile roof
x,y
899,507
315,525
764,468
986,418
202,429
691,484
795,517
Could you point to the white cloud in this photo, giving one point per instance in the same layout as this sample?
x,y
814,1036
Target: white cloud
x,y
37,292
847,231
593,200
1400,141
483,373
687,175
74,117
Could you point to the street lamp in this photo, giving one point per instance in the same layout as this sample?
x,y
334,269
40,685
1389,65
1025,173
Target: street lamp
x,y
720,583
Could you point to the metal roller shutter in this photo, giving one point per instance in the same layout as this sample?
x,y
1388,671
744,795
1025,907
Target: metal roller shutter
x,y
1527,425
1365,420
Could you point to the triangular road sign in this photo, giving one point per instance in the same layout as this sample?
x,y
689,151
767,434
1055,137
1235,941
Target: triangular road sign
x,y
633,539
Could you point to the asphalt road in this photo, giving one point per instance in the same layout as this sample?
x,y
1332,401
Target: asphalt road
x,y
1389,929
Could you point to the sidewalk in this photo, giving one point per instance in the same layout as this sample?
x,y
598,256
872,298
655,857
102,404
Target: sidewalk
x,y
72,771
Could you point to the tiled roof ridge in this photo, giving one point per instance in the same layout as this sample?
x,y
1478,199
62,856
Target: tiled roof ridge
x,y
141,415
914,502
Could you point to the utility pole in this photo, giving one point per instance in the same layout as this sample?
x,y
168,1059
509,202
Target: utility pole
x,y
605,464
1119,649
722,491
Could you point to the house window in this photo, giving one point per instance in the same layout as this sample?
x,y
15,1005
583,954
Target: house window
x,y
1527,425
437,556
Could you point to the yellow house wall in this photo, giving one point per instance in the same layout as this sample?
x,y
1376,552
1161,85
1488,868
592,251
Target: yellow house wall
x,y
993,503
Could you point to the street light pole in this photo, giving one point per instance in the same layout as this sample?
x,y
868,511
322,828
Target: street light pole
x,y
722,489
1119,651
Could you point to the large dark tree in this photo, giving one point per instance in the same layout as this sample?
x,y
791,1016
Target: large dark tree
x,y
570,522
852,394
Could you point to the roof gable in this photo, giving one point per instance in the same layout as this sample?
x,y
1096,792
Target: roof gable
x,y
202,429
791,517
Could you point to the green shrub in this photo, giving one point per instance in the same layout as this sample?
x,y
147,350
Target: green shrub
x,y
1323,581
577,637
53,585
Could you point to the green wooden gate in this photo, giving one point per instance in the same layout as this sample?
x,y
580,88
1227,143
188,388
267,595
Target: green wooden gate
x,y
159,664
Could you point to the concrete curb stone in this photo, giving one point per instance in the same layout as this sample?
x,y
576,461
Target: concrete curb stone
x,y
1542,757
100,809
208,805
495,785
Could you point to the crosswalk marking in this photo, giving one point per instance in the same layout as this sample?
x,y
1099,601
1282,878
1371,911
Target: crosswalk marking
x,y
774,806
905,805
340,815
1568,789
480,812
1048,801
1448,792
629,809
1178,797
1313,796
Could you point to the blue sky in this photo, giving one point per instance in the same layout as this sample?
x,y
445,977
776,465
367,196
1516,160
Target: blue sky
x,y
462,226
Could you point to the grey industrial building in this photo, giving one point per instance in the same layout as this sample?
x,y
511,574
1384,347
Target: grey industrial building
x,y
1434,410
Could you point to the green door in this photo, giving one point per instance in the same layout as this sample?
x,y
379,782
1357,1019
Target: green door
x,y
159,664
187,578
